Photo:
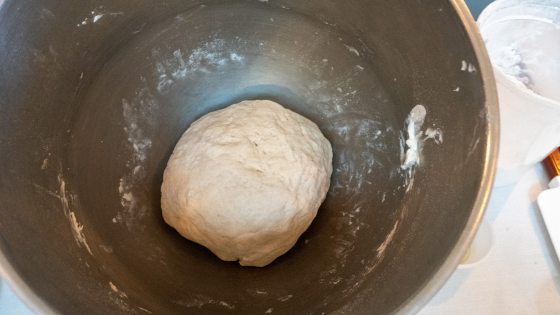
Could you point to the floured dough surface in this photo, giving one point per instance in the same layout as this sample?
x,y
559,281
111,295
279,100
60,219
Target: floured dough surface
x,y
246,181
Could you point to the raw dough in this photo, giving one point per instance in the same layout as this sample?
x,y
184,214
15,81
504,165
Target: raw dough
x,y
246,181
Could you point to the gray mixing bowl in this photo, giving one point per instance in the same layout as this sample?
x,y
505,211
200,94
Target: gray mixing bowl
x,y
94,95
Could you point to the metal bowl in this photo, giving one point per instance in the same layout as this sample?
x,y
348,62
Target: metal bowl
x,y
94,95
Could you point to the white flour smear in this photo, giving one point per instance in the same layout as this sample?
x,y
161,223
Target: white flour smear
x,y
381,249
66,201
359,139
139,115
413,141
115,289
206,58
96,15
467,67
201,301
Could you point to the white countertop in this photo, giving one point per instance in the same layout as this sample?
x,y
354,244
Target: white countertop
x,y
10,303
520,275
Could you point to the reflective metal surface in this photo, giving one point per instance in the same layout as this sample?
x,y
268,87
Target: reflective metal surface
x,y
95,95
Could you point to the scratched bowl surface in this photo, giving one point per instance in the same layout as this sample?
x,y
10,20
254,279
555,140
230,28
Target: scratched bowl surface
x,y
95,94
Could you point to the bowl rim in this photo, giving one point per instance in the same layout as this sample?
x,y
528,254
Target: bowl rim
x,y
425,293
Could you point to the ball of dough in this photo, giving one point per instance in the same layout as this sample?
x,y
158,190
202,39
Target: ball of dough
x,y
246,181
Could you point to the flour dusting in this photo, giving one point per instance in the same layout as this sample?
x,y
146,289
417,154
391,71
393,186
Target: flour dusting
x,y
335,97
78,233
65,200
144,310
352,168
352,50
45,163
207,58
138,141
201,301
285,298
96,15
257,292
115,289
414,123
381,249
106,248
46,14
467,66
139,115
411,146
434,134
360,144
120,299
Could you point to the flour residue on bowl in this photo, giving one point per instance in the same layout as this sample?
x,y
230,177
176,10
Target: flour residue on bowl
x,y
206,58
66,202
434,134
77,228
119,298
352,173
414,123
352,177
353,50
413,140
115,289
201,301
467,67
285,298
139,115
257,292
45,162
381,248
97,14
77,231
362,141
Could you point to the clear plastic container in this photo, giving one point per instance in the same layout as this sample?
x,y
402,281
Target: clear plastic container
x,y
523,42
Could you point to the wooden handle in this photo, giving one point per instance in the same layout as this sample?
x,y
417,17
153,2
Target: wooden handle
x,y
552,163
